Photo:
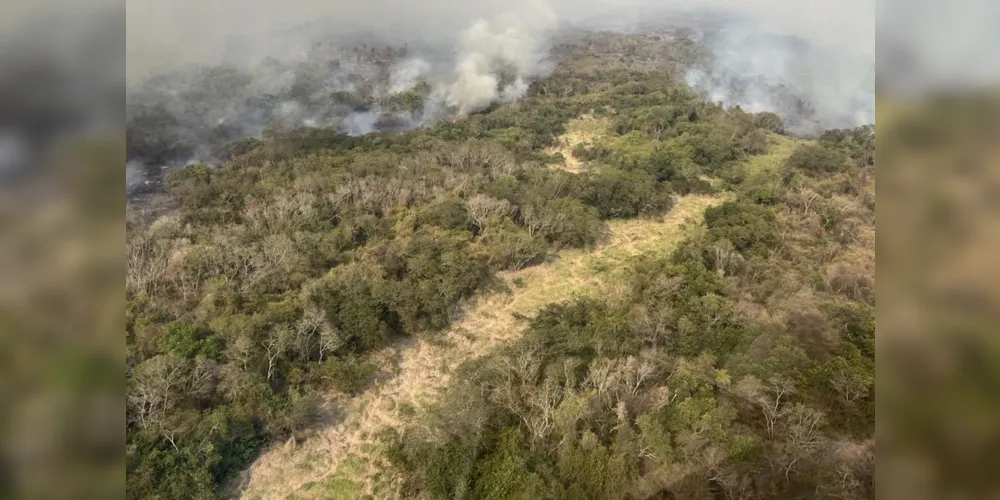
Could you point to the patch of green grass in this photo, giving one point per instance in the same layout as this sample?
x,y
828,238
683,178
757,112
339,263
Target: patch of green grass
x,y
340,484
352,466
779,147
333,487
406,409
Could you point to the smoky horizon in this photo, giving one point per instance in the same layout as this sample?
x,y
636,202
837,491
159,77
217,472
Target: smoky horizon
x,y
189,103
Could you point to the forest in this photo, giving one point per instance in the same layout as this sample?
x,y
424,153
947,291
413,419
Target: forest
x,y
738,365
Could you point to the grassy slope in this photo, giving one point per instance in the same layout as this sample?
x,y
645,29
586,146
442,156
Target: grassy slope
x,y
779,147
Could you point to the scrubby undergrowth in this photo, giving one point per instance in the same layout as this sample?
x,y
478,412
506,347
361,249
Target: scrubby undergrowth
x,y
741,363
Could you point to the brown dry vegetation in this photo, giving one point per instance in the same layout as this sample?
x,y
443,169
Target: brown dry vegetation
x,y
425,365
315,297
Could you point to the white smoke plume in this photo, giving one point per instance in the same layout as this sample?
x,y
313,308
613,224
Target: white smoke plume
x,y
461,46
202,74
811,86
408,74
360,123
516,40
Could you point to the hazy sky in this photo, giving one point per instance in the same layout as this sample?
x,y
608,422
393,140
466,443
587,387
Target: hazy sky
x,y
169,32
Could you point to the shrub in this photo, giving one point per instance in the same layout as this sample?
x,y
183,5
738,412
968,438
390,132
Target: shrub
x,y
507,246
591,470
761,190
770,122
351,297
188,341
856,322
563,222
430,273
748,227
617,194
349,374
505,187
450,213
504,473
448,469
583,328
667,161
755,142
712,146
813,159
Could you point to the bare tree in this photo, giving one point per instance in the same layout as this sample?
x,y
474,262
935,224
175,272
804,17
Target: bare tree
x,y
518,393
264,264
725,259
331,340
569,375
369,194
203,378
636,372
603,376
778,389
483,209
803,432
307,330
850,384
275,343
157,383
463,183
621,379
540,219
543,400
849,468
770,397
654,328
525,362
496,160
235,382
189,265
145,263
282,212
240,349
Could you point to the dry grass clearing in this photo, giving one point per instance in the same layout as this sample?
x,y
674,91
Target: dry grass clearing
x,y
338,461
582,130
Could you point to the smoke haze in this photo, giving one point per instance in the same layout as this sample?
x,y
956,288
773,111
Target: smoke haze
x,y
812,87
204,73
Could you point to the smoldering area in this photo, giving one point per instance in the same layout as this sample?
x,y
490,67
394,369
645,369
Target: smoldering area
x,y
382,78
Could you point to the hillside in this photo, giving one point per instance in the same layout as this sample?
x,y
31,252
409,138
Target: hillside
x,y
609,288
424,367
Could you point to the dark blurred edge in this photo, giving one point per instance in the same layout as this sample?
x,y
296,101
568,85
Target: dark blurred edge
x,y
939,297
62,251
61,278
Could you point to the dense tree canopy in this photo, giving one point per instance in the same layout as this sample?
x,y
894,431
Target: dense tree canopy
x,y
741,365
